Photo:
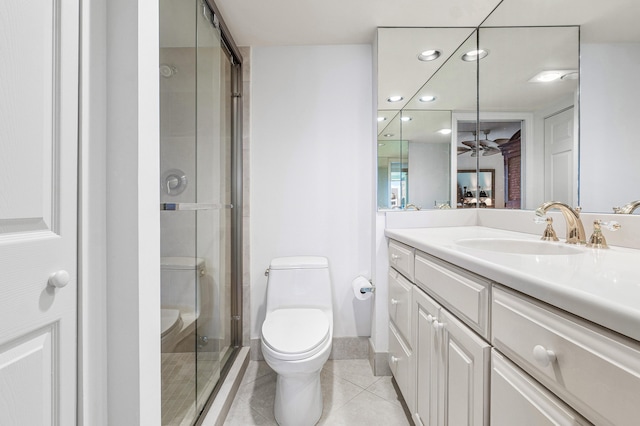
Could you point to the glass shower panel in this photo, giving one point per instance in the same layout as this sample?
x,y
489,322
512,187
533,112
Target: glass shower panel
x,y
181,267
213,222
198,225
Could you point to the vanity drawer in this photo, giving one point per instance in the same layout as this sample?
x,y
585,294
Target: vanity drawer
x,y
401,257
595,371
518,399
400,302
463,293
400,363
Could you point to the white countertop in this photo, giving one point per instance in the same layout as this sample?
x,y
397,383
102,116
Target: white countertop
x,y
600,285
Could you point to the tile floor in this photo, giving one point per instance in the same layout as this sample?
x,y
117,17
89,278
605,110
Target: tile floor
x,y
352,396
179,384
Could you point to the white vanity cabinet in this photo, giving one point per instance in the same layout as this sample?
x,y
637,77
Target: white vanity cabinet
x,y
592,369
490,352
517,399
451,367
401,354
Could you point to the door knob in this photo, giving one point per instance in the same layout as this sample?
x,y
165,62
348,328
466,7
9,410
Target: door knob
x,y
59,279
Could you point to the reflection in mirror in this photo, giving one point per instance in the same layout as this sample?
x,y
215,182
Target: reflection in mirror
x,y
527,94
499,150
428,157
392,162
476,188
425,123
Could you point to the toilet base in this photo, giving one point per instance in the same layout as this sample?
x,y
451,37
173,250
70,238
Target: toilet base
x,y
298,399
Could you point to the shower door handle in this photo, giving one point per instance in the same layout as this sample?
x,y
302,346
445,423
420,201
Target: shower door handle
x,y
194,206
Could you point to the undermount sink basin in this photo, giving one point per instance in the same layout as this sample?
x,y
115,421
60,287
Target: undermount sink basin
x,y
512,246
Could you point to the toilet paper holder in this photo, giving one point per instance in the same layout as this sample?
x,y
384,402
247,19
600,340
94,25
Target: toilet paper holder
x,y
371,289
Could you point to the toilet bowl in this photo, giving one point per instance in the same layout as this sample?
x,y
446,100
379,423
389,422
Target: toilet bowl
x,y
180,298
297,334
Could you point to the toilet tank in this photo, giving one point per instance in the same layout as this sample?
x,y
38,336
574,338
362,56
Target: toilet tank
x,y
300,281
180,284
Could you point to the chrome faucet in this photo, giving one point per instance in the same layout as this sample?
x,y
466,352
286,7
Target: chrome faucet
x,y
411,205
628,209
575,231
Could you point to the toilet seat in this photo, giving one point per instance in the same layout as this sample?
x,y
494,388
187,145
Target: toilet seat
x,y
169,320
296,333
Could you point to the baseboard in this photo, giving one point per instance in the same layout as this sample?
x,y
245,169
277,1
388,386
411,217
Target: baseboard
x,y
218,410
341,348
379,361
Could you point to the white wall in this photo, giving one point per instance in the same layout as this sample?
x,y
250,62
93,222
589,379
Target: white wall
x,y
429,177
312,159
609,149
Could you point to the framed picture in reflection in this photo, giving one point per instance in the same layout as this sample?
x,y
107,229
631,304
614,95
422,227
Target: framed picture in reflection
x,y
476,189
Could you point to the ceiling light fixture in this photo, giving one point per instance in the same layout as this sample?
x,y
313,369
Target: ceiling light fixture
x,y
474,55
394,98
548,76
429,55
445,131
427,98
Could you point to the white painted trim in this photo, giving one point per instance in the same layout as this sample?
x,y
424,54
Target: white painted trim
x,y
119,343
92,236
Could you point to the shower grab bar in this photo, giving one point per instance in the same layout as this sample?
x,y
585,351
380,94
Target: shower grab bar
x,y
194,206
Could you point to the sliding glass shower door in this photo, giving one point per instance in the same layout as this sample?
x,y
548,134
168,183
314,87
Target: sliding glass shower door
x,y
199,221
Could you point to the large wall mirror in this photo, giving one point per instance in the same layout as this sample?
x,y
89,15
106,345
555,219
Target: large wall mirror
x,y
550,109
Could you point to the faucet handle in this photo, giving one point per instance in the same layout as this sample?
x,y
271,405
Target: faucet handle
x,y
549,233
597,239
611,225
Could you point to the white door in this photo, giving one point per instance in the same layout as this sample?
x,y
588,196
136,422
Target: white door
x,y
560,170
38,193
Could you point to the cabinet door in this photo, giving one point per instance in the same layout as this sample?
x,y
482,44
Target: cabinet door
x,y
464,375
401,364
425,312
517,399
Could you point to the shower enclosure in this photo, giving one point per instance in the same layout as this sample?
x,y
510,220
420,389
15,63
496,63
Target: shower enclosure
x,y
200,184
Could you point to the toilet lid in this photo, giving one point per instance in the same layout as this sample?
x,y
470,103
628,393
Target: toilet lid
x,y
293,331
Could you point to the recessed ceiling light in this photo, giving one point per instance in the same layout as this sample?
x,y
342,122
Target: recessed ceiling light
x,y
395,98
445,131
429,55
388,135
474,55
548,76
381,119
405,118
427,98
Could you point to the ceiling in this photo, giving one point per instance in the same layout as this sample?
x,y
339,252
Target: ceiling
x,y
312,22
411,22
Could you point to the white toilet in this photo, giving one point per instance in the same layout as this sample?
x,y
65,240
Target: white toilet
x,y
180,298
296,335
